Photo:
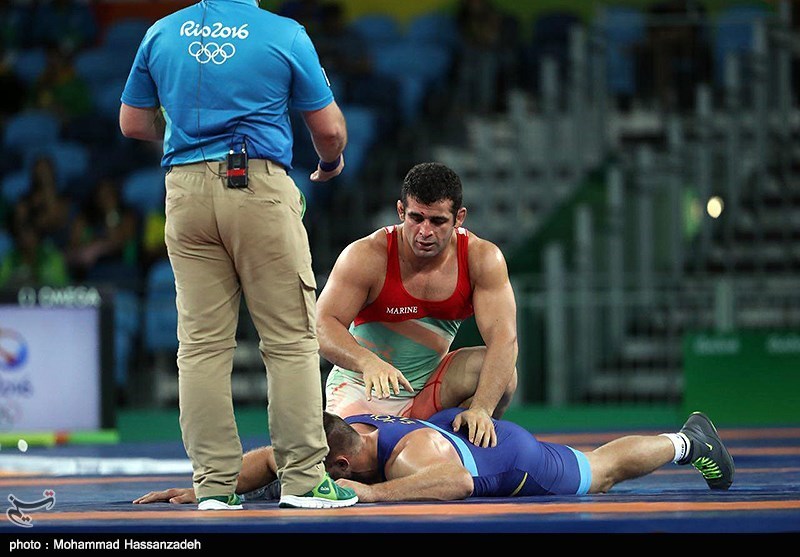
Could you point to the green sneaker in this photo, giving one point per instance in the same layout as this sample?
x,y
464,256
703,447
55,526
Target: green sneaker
x,y
220,503
327,495
707,453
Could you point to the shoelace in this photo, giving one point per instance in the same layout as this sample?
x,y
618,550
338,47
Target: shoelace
x,y
708,468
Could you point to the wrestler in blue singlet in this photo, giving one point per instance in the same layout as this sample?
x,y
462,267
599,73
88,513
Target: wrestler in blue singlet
x,y
519,465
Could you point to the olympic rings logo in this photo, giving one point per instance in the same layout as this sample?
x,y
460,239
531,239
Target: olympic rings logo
x,y
211,52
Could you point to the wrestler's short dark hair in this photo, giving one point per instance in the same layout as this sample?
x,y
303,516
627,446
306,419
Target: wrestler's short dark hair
x,y
429,182
342,438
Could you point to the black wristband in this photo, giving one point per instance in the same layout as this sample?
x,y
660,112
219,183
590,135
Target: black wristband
x,y
330,166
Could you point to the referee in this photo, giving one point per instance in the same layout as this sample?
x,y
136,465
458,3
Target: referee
x,y
214,82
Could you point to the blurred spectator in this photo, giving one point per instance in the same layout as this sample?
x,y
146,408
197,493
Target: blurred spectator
x,y
60,89
154,247
13,88
487,61
64,24
550,40
103,241
479,25
677,54
34,260
309,13
50,211
348,63
510,52
794,45
343,53
16,24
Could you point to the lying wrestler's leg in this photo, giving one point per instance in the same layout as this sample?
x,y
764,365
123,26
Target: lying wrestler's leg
x,y
460,380
627,458
697,443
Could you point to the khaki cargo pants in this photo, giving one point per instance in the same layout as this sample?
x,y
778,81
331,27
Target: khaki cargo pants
x,y
223,243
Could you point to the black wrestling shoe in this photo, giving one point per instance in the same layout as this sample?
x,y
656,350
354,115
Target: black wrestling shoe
x,y
269,492
707,453
273,490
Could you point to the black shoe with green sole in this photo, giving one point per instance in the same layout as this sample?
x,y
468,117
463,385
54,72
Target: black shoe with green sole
x,y
707,453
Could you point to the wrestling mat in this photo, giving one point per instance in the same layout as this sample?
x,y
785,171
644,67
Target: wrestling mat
x,y
51,492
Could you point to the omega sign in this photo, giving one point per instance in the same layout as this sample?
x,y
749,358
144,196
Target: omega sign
x,y
70,296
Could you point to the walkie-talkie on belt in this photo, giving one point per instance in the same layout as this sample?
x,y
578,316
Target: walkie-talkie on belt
x,y
237,168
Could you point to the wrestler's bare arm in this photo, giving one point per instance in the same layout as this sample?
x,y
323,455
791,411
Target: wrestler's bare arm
x,y
423,466
355,280
496,318
258,470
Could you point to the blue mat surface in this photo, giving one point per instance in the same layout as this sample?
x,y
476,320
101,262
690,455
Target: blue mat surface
x,y
94,497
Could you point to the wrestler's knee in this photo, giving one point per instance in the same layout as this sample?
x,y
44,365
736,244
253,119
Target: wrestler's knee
x,y
511,388
508,396
603,472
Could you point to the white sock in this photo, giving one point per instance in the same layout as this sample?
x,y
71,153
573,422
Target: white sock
x,y
681,444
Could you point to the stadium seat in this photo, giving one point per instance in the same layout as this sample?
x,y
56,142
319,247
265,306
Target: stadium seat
x,y
31,127
72,24
29,64
733,34
428,61
623,28
71,160
376,28
434,27
553,28
550,38
362,132
6,243
144,190
160,313
125,35
106,99
98,66
127,327
402,61
15,185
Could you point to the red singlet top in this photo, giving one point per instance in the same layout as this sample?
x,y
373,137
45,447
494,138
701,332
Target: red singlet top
x,y
394,303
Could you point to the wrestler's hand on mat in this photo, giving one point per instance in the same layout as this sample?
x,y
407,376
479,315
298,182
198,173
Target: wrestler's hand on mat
x,y
364,491
320,175
480,427
386,380
175,495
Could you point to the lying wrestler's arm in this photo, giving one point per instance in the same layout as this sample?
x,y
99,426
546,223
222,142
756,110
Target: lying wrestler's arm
x,y
258,470
496,318
424,466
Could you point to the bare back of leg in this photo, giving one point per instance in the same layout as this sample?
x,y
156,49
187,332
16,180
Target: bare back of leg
x,y
460,380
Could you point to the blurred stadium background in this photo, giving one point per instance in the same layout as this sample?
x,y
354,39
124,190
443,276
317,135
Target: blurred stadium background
x,y
637,161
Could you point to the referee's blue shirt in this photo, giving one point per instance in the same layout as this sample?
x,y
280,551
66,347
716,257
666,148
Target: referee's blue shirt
x,y
224,72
